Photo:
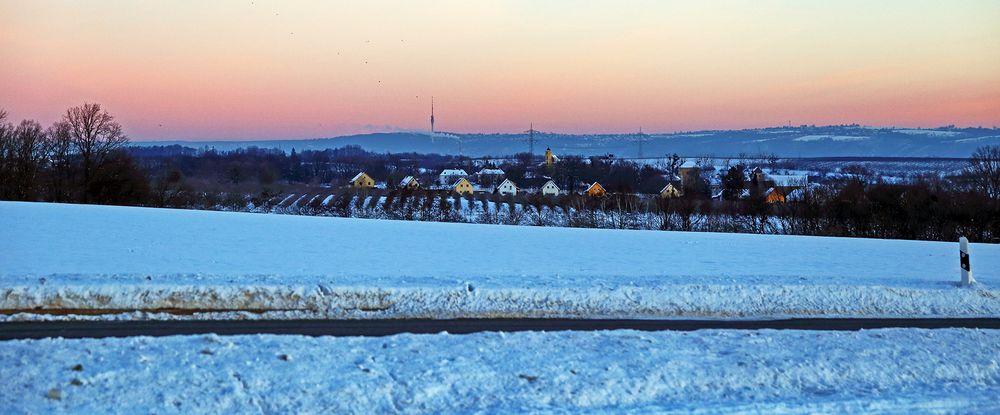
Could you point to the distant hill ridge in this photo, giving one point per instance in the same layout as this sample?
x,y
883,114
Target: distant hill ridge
x,y
802,141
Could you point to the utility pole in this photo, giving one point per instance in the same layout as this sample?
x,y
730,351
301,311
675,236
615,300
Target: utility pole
x,y
642,137
531,138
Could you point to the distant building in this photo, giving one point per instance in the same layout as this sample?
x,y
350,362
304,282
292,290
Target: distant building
x,y
489,177
462,187
449,176
550,159
686,170
362,181
671,190
494,172
596,190
409,183
507,188
550,189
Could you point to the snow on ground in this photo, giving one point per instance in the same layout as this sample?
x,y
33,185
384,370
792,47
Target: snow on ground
x,y
830,137
711,371
122,259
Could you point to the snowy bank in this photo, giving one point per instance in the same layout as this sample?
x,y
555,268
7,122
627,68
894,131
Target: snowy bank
x,y
186,296
712,371
118,260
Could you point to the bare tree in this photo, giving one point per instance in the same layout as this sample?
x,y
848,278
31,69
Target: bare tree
x,y
7,151
60,153
22,155
984,166
29,156
95,135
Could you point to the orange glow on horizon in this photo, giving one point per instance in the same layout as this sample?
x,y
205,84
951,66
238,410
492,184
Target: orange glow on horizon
x,y
267,69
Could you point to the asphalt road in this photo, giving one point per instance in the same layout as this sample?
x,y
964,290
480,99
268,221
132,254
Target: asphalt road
x,y
82,329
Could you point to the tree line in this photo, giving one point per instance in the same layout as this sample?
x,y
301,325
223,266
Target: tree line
x,y
85,157
80,158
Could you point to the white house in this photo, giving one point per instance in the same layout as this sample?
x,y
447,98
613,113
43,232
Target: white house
x,y
507,188
448,177
550,189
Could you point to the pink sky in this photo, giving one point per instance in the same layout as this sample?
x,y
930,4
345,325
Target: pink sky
x,y
258,69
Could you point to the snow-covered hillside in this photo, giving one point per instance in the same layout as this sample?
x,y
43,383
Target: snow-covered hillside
x,y
801,141
873,371
120,259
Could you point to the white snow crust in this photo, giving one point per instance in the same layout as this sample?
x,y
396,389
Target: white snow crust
x,y
136,262
711,371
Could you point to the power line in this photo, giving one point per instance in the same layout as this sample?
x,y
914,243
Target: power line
x,y
641,138
531,138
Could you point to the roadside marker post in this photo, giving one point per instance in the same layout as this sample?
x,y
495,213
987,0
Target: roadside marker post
x,y
963,257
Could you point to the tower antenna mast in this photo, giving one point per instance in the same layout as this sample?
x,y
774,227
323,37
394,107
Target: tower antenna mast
x,y
531,138
642,137
432,118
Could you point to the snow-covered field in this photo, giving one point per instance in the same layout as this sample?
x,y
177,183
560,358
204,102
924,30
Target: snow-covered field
x,y
876,371
122,259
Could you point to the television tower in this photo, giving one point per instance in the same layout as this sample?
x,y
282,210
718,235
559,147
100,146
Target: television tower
x,y
432,118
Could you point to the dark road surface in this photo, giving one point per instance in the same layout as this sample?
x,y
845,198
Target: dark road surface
x,y
82,329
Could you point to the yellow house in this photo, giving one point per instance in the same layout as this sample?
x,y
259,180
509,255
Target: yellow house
x,y
362,181
669,191
774,195
462,187
596,190
409,183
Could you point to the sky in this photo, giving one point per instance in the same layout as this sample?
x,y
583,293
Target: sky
x,y
260,69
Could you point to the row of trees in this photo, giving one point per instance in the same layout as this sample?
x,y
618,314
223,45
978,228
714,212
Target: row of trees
x,y
80,158
84,157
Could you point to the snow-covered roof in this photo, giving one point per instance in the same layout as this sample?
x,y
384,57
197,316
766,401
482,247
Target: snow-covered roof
x,y
358,176
454,172
507,181
406,181
459,181
552,183
491,172
796,194
669,185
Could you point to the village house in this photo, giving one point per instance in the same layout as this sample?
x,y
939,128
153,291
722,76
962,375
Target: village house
x,y
671,190
507,188
550,189
450,176
687,169
596,190
489,177
777,186
409,183
490,172
462,187
774,195
362,181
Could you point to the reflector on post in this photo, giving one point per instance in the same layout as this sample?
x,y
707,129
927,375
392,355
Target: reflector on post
x,y
963,258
